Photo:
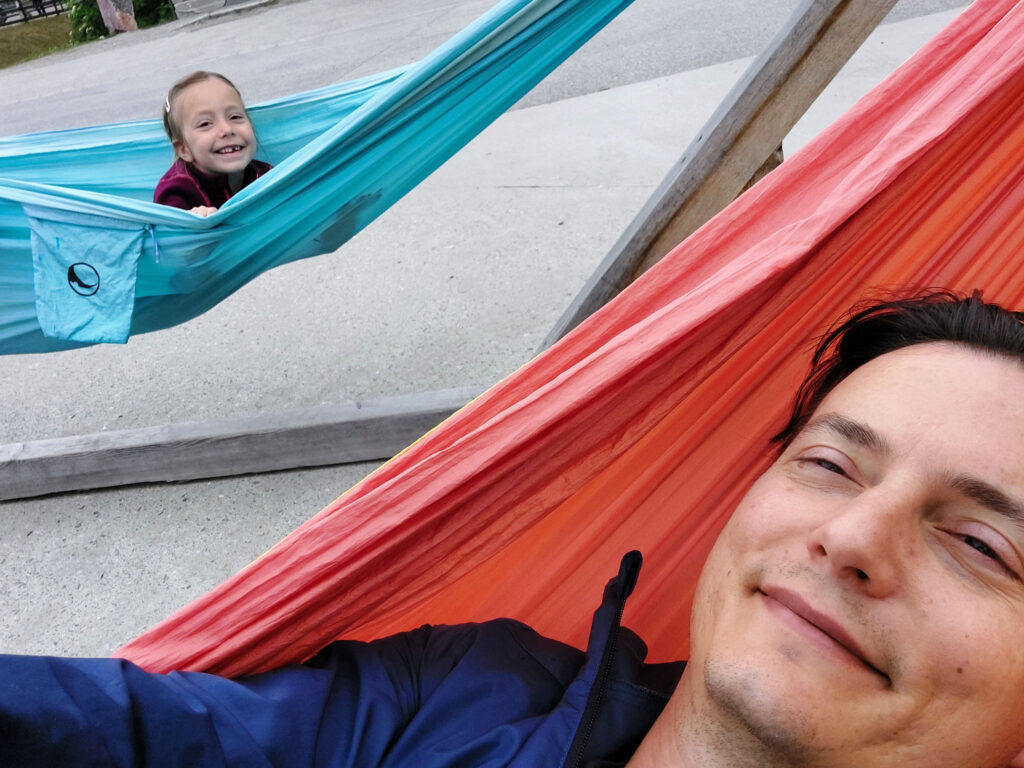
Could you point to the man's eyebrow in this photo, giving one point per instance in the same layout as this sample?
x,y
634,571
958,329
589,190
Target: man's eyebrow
x,y
988,496
851,430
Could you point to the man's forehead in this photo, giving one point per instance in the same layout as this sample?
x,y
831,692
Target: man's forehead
x,y
960,403
922,368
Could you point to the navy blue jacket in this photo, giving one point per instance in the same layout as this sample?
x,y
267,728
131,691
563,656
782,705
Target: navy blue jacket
x,y
492,694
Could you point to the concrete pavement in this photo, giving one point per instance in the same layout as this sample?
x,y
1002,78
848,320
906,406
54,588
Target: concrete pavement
x,y
455,286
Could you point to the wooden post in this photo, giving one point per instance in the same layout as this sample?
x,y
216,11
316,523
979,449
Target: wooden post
x,y
118,15
303,437
740,137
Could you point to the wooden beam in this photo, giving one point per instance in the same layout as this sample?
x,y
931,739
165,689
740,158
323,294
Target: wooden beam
x,y
303,437
748,126
774,161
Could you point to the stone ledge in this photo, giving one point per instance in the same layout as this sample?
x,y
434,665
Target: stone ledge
x,y
189,8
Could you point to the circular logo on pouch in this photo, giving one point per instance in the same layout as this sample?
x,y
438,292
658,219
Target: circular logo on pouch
x,y
83,279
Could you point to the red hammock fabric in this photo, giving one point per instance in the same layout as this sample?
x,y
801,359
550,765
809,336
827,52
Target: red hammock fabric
x,y
645,426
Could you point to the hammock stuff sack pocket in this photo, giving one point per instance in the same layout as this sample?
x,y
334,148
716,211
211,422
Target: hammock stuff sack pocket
x,y
84,270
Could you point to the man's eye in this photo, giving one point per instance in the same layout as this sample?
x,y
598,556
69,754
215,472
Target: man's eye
x,y
987,551
981,546
831,466
828,466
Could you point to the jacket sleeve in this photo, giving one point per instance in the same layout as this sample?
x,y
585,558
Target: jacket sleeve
x,y
342,708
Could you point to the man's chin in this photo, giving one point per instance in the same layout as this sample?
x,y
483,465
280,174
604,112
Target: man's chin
x,y
772,721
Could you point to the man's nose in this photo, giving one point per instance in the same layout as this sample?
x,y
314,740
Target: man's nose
x,y
868,543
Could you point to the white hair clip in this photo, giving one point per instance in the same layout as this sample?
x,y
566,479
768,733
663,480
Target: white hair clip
x,y
167,105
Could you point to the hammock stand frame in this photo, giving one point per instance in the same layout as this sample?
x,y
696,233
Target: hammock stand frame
x,y
740,143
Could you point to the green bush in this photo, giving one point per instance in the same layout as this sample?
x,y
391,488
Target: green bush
x,y
87,23
149,13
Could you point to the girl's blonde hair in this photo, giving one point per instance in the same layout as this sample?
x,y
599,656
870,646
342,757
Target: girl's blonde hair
x,y
170,123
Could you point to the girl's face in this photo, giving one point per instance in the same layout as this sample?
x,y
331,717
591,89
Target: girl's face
x,y
217,136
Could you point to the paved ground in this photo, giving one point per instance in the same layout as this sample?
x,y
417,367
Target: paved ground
x,y
455,286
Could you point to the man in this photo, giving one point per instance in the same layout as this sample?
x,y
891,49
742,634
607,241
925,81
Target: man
x,y
865,604
863,607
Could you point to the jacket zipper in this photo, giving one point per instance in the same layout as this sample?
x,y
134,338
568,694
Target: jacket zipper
x,y
575,756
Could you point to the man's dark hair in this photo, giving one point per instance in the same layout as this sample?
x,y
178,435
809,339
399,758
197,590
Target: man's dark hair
x,y
890,325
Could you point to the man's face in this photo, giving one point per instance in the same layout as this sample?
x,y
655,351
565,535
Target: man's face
x,y
865,604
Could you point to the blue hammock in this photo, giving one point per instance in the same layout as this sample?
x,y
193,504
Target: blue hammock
x,y
85,257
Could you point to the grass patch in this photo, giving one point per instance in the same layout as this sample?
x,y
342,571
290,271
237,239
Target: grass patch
x,y
30,40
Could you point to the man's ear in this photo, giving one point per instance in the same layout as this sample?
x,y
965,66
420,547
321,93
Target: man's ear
x,y
182,150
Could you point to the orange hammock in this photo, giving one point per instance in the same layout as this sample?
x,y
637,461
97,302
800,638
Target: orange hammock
x,y
645,426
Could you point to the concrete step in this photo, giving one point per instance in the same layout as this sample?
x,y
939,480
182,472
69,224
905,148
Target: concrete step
x,y
186,8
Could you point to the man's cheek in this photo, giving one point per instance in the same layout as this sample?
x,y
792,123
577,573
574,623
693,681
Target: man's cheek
x,y
755,524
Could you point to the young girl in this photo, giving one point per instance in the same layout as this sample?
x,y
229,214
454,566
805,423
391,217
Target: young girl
x,y
210,130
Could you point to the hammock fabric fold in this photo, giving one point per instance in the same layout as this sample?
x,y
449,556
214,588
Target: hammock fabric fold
x,y
645,426
343,155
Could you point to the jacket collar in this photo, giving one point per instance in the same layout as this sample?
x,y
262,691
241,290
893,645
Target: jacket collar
x,y
615,697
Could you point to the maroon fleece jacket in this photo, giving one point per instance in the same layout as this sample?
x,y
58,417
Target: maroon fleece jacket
x,y
185,186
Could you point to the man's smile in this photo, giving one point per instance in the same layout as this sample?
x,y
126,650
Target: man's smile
x,y
822,630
